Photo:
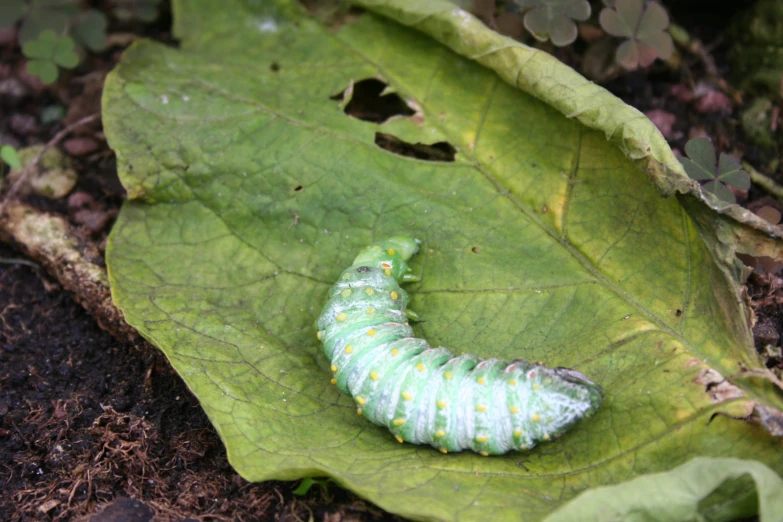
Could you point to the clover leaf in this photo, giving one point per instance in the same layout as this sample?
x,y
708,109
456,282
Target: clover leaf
x,y
700,165
554,19
644,24
90,30
47,52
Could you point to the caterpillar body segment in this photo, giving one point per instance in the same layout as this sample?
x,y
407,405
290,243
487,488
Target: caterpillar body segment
x,y
426,395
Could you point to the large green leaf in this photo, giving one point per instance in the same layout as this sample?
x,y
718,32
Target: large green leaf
x,y
250,190
680,494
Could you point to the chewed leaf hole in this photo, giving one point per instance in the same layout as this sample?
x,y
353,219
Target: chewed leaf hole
x,y
440,151
298,188
368,103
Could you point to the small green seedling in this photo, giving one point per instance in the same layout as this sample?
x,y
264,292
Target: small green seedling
x,y
554,19
700,165
643,23
308,483
10,157
47,52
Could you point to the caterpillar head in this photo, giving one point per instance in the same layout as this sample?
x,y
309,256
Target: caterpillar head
x,y
390,255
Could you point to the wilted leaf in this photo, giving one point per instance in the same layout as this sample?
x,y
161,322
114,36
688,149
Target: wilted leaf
x,y
251,189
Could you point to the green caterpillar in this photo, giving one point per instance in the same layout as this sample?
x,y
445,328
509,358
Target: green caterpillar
x,y
425,395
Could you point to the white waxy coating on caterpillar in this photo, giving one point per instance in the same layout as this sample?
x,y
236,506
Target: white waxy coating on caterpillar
x,y
425,395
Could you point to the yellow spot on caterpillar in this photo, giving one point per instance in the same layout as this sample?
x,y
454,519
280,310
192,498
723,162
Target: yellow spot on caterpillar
x,y
391,251
518,433
546,437
387,272
395,352
420,367
482,438
374,376
407,396
342,316
361,400
481,380
535,386
443,450
320,334
484,454
386,265
440,433
370,311
333,381
398,422
333,368
441,404
536,417
369,291
371,332
447,375
512,382
358,411
346,277
399,439
346,292
481,408
513,409
394,295
348,349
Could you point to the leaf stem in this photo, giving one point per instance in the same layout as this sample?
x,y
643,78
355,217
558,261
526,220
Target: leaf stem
x,y
765,182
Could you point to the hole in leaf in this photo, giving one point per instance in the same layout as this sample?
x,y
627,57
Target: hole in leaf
x,y
369,104
678,313
475,250
274,66
298,188
440,151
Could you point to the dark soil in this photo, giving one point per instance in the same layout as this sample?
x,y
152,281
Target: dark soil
x,y
86,421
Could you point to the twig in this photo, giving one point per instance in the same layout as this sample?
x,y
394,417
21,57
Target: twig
x,y
12,191
17,261
763,181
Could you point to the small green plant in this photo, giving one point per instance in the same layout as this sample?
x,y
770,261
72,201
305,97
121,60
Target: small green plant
x,y
700,165
308,483
554,19
644,25
47,52
10,156
73,28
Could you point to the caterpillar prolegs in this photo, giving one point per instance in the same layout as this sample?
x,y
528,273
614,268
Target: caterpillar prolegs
x,y
425,395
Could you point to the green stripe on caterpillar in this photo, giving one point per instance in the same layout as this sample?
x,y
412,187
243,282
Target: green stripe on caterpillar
x,y
425,395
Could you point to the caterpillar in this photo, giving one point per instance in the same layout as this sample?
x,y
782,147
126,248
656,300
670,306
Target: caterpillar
x,y
426,395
